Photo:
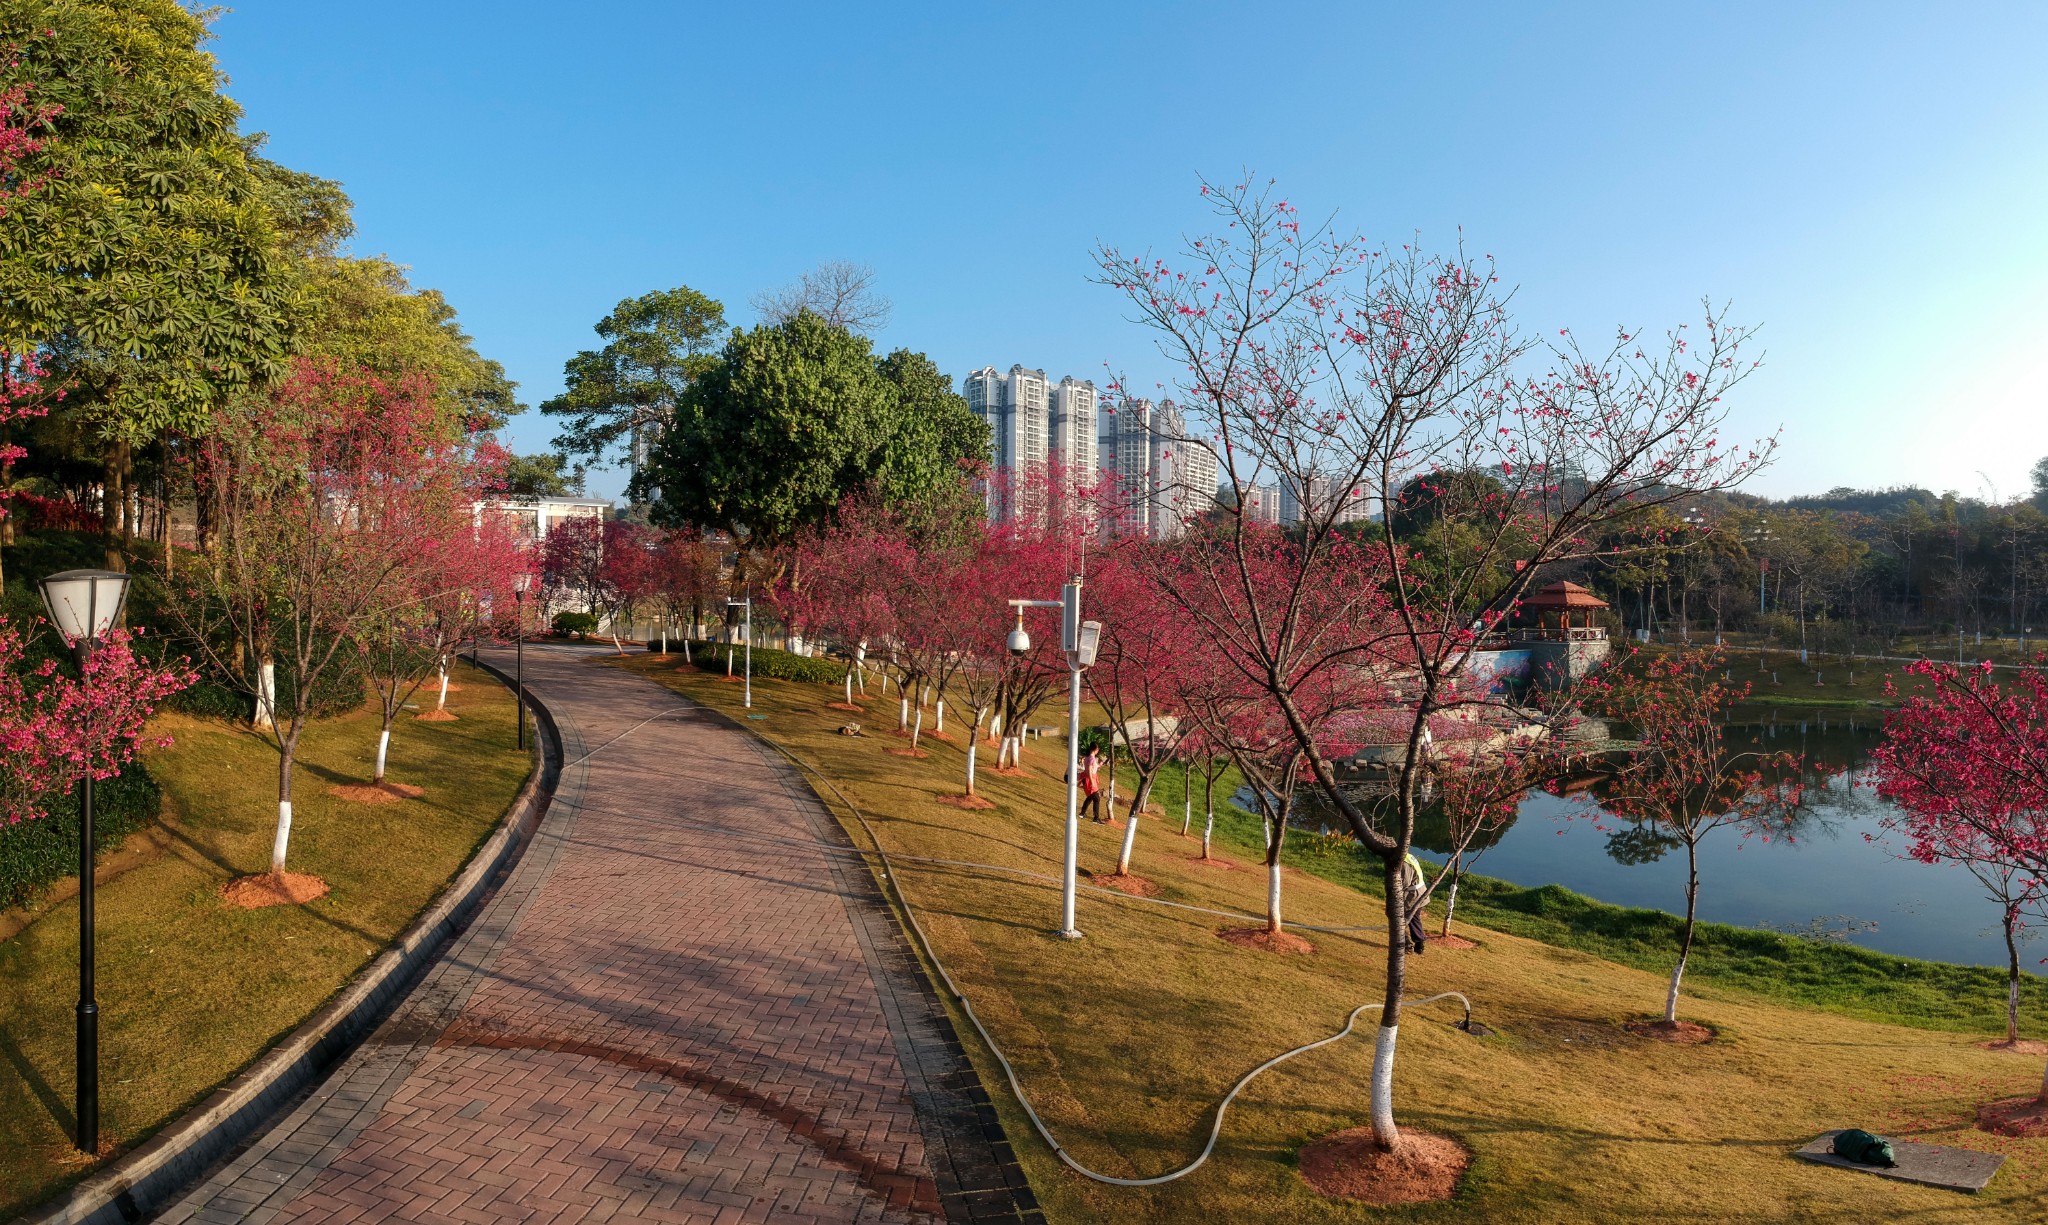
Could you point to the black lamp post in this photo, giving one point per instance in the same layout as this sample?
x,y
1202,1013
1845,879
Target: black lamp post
x,y
520,582
84,605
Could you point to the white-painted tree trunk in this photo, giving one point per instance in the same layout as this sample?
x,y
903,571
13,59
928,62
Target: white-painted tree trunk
x,y
441,702
1187,796
796,645
1671,997
664,633
1383,1129
917,729
1274,921
971,747
939,727
849,686
284,835
383,747
686,651
266,696
1450,907
903,709
1123,858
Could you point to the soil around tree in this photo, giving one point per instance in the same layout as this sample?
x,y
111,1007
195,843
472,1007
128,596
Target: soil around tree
x,y
969,802
1259,939
1123,882
1423,1167
2024,1046
376,793
1678,1033
2025,1117
437,716
1453,942
272,889
1210,861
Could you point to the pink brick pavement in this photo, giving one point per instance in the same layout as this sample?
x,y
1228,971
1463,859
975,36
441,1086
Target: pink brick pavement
x,y
685,1004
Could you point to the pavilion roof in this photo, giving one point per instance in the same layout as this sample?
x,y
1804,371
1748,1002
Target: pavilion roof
x,y
1562,596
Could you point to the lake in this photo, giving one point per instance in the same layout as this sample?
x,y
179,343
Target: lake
x,y
1840,867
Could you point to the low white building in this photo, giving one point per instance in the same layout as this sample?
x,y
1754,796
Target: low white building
x,y
533,518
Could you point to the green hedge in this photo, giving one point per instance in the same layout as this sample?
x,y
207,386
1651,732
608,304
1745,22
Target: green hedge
x,y
768,662
33,854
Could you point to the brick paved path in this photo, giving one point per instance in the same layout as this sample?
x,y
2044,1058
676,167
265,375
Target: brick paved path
x,y
682,1005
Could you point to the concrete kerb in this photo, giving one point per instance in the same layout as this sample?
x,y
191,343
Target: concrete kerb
x,y
144,1180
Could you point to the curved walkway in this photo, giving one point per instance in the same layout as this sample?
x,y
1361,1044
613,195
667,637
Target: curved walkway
x,y
679,1007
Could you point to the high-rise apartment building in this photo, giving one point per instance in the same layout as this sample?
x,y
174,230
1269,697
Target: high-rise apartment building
x,y
1322,497
1167,478
1262,504
1034,425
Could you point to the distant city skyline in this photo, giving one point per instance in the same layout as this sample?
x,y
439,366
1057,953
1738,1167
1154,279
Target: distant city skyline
x,y
1863,181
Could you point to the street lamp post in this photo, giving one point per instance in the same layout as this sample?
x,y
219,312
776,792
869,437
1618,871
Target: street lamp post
x,y
520,583
1694,518
84,605
747,691
1078,638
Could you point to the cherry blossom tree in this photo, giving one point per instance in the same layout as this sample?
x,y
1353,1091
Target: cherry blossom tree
x,y
1341,371
1685,783
56,728
1966,764
312,488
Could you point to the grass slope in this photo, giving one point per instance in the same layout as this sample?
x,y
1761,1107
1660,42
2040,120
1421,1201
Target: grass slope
x,y
191,990
1126,1039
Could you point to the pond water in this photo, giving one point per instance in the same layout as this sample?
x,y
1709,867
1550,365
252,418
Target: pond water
x,y
1840,869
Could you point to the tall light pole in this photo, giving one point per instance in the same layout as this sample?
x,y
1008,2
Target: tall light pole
x,y
1694,518
1760,534
520,583
84,605
1078,638
747,692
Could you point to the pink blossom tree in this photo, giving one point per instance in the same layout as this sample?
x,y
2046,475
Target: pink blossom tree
x,y
1340,371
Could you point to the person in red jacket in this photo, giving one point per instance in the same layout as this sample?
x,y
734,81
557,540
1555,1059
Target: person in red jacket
x,y
1091,785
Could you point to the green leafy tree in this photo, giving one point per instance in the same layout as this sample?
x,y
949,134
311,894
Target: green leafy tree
x,y
656,347
151,267
791,418
540,476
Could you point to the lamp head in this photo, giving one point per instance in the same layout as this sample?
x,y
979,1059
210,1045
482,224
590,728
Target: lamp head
x,y
522,583
84,604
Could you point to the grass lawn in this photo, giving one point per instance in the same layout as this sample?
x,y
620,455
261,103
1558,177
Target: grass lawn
x,y
1127,1038
191,990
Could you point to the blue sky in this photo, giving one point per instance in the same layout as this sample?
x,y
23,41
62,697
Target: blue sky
x,y
1866,181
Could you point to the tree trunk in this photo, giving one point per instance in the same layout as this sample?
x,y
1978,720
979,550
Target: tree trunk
x,y
939,726
288,748
973,744
1276,833
1123,858
441,702
1455,870
383,749
1187,797
2012,979
903,708
113,506
1385,1132
1692,898
1209,804
266,696
917,729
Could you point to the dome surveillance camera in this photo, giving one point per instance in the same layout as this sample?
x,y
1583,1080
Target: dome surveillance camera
x,y
1020,641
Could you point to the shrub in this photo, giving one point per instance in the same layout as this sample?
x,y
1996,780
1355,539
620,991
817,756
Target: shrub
x,y
768,662
576,624
33,854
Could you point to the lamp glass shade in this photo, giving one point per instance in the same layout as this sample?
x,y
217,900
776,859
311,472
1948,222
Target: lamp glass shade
x,y
84,604
522,582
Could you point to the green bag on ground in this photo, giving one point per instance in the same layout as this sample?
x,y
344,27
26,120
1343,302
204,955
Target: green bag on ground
x,y
1863,1148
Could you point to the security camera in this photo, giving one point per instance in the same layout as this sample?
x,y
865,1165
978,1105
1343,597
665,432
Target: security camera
x,y
1020,640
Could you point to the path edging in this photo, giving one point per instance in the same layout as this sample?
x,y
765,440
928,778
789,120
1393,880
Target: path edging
x,y
144,1180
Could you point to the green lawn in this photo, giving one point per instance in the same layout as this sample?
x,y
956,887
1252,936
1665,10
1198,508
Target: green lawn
x,y
191,990
1127,1038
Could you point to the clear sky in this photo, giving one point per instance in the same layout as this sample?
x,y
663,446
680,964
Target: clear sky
x,y
1867,181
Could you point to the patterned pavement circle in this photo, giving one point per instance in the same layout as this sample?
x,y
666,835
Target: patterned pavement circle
x,y
679,1007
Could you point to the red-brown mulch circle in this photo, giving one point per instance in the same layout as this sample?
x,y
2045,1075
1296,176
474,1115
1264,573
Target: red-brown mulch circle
x,y
453,687
908,752
2025,1046
1261,940
1679,1033
437,716
272,889
737,678
1123,882
1453,942
972,802
1011,771
2025,1117
1349,1165
1210,861
373,793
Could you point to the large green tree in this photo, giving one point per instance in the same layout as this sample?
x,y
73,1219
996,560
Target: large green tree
x,y
150,268
792,417
656,346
